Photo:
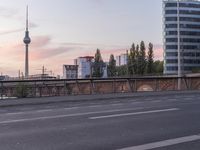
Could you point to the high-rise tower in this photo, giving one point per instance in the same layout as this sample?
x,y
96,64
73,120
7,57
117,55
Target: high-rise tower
x,y
181,36
27,41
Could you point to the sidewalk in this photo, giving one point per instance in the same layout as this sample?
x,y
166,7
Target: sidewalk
x,y
81,98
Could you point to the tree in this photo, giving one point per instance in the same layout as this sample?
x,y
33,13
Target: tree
x,y
137,55
142,59
150,60
21,90
112,66
132,60
98,65
158,67
122,71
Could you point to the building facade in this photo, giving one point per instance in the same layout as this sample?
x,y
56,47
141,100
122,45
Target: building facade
x,y
84,66
121,60
70,71
4,77
181,36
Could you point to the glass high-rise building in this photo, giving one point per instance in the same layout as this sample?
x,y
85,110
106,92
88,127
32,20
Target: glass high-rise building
x,y
181,36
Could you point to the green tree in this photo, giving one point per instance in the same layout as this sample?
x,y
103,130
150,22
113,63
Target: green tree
x,y
150,60
132,60
112,66
142,59
21,90
137,55
98,65
122,71
158,67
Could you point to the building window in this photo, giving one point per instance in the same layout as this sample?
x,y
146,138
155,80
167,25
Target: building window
x,y
172,68
171,47
171,12
171,26
174,54
171,5
171,18
171,39
172,61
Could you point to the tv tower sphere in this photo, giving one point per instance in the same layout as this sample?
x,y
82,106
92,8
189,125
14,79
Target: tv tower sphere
x,y
27,39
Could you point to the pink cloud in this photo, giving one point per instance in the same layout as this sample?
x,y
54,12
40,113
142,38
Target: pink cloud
x,y
11,31
158,52
40,41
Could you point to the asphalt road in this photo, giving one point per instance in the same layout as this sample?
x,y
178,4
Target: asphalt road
x,y
170,122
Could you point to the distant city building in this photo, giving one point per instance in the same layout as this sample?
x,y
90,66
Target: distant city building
x,y
4,77
70,71
121,60
84,66
105,70
41,77
181,36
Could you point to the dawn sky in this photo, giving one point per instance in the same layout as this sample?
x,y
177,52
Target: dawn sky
x,y
62,30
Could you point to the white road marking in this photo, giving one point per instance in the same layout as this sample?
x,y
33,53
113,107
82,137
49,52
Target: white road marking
x,y
116,104
36,111
45,110
63,116
165,143
94,106
135,113
14,113
137,103
69,108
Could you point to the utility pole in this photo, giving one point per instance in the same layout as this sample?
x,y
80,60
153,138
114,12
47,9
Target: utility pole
x,y
127,60
19,74
179,47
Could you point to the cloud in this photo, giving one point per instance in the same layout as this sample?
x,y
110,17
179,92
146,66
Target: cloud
x,y
158,52
13,13
40,41
32,25
11,31
6,12
48,53
40,48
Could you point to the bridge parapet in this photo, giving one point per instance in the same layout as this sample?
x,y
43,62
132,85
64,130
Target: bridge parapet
x,y
44,88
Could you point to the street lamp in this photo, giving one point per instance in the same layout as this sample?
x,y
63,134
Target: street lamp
x,y
178,44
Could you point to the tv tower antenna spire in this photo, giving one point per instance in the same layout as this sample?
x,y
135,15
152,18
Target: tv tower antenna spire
x,y
27,41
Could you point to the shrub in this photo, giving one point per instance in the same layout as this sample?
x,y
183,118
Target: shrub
x,y
21,90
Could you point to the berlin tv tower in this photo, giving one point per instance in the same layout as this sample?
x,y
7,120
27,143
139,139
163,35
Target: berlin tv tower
x,y
27,41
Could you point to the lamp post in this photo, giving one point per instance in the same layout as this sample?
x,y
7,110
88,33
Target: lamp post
x,y
178,46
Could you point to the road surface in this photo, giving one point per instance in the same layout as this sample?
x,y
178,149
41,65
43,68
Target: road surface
x,y
168,122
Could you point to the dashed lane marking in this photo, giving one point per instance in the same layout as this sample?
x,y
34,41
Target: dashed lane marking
x,y
134,113
63,116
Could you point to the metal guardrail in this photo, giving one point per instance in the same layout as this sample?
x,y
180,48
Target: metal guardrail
x,y
62,87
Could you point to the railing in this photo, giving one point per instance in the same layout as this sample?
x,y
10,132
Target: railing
x,y
45,88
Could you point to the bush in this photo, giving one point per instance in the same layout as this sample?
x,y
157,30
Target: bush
x,y
21,90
